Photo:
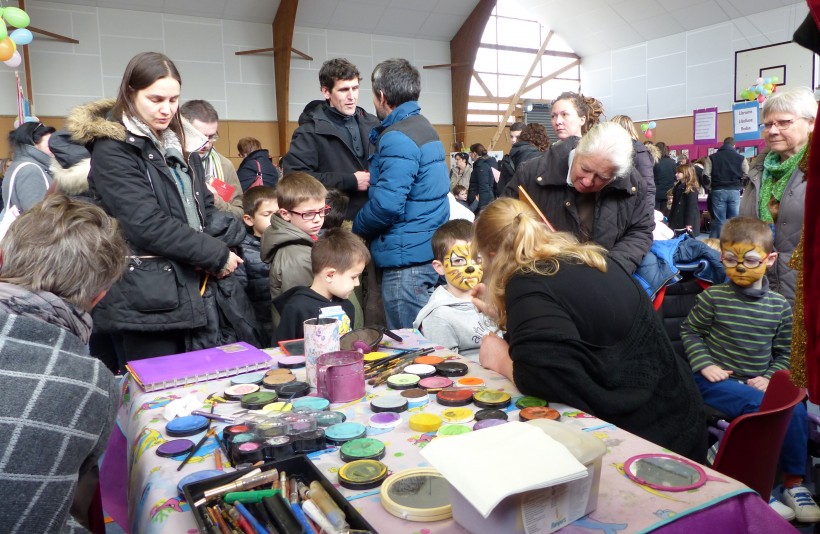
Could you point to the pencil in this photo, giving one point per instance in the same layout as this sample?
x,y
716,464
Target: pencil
x,y
218,459
196,448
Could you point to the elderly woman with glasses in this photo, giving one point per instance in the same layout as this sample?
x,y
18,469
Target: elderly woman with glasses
x,y
777,185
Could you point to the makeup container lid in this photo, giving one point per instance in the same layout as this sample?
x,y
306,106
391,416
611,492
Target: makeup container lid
x,y
422,370
328,418
454,397
248,378
470,381
237,391
425,422
417,494
342,432
451,369
310,441
435,382
488,398
300,422
539,412
482,415
271,429
362,449
457,415
429,359
389,403
291,362
258,400
188,425
230,431
278,448
197,476
416,397
278,371
402,381
294,389
453,430
529,402
384,420
314,403
278,406
275,381
487,423
362,474
175,447
249,452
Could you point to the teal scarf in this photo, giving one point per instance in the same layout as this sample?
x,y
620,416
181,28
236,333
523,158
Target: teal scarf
x,y
775,178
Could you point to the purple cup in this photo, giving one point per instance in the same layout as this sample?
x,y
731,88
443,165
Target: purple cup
x,y
340,375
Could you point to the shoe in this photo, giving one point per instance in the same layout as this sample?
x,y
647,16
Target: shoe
x,y
783,511
800,500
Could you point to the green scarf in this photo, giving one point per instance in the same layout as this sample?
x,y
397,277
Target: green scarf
x,y
775,178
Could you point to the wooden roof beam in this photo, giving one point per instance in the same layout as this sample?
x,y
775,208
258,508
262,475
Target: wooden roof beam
x,y
282,28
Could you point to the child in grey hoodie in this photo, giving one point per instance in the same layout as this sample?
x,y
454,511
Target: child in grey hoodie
x,y
450,319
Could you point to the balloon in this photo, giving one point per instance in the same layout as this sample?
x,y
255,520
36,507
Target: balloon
x,y
766,86
761,98
644,127
15,59
652,125
775,79
774,88
21,36
767,80
16,17
3,32
648,134
6,49
759,81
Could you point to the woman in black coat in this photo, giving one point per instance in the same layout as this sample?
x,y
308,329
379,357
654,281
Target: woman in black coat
x,y
482,179
581,331
685,212
641,159
664,172
256,163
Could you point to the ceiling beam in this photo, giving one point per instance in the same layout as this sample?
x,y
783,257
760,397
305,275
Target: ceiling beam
x,y
505,48
551,76
282,27
263,50
463,49
482,84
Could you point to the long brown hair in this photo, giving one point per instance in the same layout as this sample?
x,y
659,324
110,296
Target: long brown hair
x,y
690,178
585,106
141,72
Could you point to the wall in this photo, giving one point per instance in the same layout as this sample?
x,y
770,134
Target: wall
x,y
671,76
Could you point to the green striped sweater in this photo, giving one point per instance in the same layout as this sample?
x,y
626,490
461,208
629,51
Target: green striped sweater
x,y
738,331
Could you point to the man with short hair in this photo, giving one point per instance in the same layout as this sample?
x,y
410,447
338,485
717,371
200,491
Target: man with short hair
x,y
515,131
331,142
726,169
506,166
408,193
202,116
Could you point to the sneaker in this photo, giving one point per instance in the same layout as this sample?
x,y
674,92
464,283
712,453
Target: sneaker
x,y
800,500
782,510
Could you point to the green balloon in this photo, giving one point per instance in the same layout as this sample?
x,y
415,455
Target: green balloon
x,y
16,17
4,32
644,127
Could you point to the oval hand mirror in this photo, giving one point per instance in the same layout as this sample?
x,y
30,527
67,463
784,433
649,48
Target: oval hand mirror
x,y
666,472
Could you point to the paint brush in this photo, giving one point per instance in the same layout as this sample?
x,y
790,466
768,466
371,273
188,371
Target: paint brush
x,y
528,199
382,377
389,360
208,434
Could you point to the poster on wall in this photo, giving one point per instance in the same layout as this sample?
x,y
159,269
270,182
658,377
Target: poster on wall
x,y
746,121
705,126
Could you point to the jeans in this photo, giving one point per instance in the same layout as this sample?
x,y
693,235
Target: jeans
x,y
405,291
735,399
725,205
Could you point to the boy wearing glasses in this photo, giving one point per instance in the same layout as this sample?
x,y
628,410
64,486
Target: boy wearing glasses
x,y
736,336
293,230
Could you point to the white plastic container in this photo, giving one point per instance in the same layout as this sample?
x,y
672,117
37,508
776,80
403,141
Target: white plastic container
x,y
543,510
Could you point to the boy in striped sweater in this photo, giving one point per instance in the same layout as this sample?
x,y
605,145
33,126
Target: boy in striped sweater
x,y
736,336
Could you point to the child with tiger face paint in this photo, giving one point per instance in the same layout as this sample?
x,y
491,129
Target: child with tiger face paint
x,y
449,318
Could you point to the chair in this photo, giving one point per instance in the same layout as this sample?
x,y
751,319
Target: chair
x,y
750,448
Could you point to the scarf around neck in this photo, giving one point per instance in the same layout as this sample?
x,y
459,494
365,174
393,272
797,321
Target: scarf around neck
x,y
776,176
46,307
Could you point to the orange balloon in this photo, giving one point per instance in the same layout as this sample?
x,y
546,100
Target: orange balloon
x,y
7,48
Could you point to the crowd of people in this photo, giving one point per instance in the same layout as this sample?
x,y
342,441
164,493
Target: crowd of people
x,y
169,248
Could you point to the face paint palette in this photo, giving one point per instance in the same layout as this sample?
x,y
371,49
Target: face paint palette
x,y
362,474
454,397
291,362
429,359
527,402
481,415
328,418
539,412
343,432
248,378
402,381
425,422
257,400
422,370
175,447
385,420
487,423
362,449
294,389
276,381
416,397
451,369
435,382
491,399
237,391
453,430
457,415
182,427
278,448
313,403
390,403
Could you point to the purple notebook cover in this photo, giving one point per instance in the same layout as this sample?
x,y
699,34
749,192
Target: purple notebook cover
x,y
200,365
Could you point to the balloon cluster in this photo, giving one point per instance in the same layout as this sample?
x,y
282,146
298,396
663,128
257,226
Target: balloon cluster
x,y
647,128
19,19
762,88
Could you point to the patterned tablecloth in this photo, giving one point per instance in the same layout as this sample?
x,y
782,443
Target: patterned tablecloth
x,y
623,506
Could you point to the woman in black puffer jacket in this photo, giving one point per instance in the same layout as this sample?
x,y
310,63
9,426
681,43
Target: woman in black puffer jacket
x,y
482,180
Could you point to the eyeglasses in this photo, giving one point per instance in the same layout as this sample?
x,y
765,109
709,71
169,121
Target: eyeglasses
x,y
749,263
781,125
214,137
310,215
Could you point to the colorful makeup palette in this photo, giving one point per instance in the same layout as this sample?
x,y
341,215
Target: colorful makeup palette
x,y
291,362
249,452
402,381
278,448
362,474
416,397
329,418
453,430
390,403
487,423
362,449
451,369
274,382
457,415
428,359
422,370
272,429
454,397
294,390
197,476
248,378
487,398
435,382
258,400
342,432
384,420
528,402
314,403
425,422
238,391
539,412
278,406
182,427
481,415
229,432
175,447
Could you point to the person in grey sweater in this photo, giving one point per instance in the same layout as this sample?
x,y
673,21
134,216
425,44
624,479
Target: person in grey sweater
x,y
57,404
28,178
450,319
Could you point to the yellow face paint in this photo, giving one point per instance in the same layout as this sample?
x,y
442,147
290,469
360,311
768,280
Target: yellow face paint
x,y
737,257
460,269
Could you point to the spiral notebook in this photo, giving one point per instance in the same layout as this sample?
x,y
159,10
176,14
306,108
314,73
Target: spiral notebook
x,y
165,372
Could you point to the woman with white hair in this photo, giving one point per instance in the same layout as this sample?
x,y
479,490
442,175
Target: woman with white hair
x,y
776,191
592,191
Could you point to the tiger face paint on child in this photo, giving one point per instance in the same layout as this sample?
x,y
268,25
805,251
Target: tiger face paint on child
x,y
461,270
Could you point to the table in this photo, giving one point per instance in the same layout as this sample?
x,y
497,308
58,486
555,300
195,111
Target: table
x,y
623,506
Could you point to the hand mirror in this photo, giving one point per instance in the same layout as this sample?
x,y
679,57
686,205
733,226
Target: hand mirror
x,y
666,472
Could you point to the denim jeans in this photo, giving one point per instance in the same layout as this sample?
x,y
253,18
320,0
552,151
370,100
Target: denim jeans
x,y
405,291
725,205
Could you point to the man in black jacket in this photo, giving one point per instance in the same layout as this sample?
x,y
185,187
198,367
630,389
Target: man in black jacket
x,y
331,143
725,168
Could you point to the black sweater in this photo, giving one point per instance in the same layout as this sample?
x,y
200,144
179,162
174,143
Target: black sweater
x,y
299,304
591,340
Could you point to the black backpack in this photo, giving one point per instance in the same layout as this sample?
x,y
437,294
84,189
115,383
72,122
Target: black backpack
x,y
507,170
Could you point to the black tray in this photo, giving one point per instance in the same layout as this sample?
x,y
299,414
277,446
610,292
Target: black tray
x,y
298,465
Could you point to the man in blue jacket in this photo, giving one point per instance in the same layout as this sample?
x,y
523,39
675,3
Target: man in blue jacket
x,y
407,199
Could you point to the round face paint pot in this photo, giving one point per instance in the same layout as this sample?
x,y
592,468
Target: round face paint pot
x,y
422,370
343,432
256,401
278,371
539,412
416,397
249,452
175,447
197,476
418,494
278,448
457,415
453,430
362,474
276,381
454,397
482,415
310,441
300,422
425,422
384,420
188,425
391,403
329,418
248,378
229,432
487,423
428,359
291,362
529,402
402,381
435,382
362,449
294,390
277,407
237,391
272,429
471,381
488,398
314,403
451,369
